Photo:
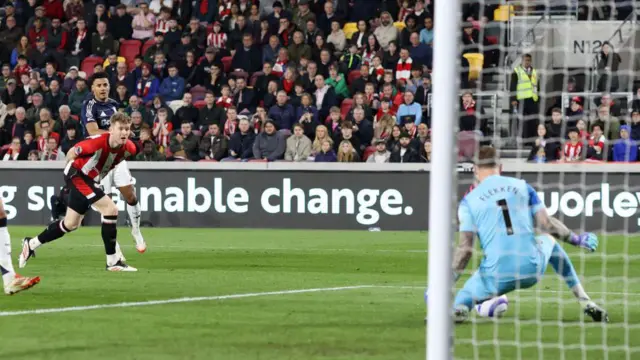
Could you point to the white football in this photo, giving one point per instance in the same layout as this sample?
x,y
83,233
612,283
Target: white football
x,y
493,308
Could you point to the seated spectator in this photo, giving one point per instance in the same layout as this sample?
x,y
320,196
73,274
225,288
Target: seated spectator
x,y
49,75
307,115
635,125
337,38
79,43
137,125
543,149
187,112
55,98
581,125
426,34
611,123
282,113
575,111
338,82
44,122
358,85
386,32
225,100
299,48
346,133
405,153
335,120
22,68
213,145
241,142
326,153
33,155
71,138
147,86
424,134
247,56
29,142
120,24
556,128
321,135
270,144
606,100
21,49
371,99
149,152
596,144
404,65
210,113
421,54
376,70
217,38
409,125
573,149
245,98
381,155
231,125
162,129
184,143
382,129
385,109
50,150
298,145
134,105
625,149
172,87
69,84
347,153
352,60
393,142
102,43
16,151
143,23
270,51
425,152
410,107
362,128
325,97
122,96
371,51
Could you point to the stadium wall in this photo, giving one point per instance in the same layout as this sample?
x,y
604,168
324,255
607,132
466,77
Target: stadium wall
x,y
330,196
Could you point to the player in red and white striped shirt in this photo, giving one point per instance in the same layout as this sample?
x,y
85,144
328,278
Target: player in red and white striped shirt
x,y
88,162
573,148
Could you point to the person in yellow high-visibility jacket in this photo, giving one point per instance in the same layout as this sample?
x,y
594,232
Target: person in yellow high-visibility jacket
x,y
524,96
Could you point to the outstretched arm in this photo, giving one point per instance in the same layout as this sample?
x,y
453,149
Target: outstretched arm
x,y
558,229
463,253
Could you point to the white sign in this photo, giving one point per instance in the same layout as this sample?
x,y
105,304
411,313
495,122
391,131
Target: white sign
x,y
576,43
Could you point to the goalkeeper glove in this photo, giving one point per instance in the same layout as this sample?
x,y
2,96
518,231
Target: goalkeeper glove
x,y
588,241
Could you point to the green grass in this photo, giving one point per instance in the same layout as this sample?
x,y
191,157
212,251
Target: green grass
x,y
381,322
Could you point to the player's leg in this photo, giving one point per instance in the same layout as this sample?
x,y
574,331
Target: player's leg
x,y
107,186
475,290
81,194
554,254
109,212
12,282
125,183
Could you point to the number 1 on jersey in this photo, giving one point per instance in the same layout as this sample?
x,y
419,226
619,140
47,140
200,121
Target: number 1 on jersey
x,y
505,213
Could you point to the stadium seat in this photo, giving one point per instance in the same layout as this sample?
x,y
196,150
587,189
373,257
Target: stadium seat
x,y
503,13
345,107
198,92
89,63
350,29
400,25
147,45
476,61
199,104
209,28
226,63
367,152
353,75
129,49
254,78
467,145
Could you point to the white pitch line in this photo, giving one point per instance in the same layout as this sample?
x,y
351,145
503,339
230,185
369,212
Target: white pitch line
x,y
269,249
515,293
177,300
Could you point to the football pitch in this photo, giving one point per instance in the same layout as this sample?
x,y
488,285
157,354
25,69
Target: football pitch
x,y
270,294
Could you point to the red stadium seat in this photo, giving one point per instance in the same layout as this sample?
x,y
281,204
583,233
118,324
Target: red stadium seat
x,y
146,46
226,63
198,92
345,107
209,29
199,104
89,63
354,74
129,49
367,152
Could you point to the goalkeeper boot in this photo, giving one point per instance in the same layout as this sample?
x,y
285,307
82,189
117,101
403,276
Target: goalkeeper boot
x,y
21,283
26,253
121,266
596,313
460,314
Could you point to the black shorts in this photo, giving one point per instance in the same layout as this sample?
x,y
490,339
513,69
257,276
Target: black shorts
x,y
83,192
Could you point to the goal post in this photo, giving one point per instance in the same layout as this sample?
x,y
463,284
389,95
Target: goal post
x,y
442,187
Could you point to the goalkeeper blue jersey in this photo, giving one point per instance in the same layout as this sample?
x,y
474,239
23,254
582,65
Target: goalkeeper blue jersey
x,y
500,210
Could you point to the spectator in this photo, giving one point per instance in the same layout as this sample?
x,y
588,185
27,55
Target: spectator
x,y
524,99
358,85
556,127
611,124
102,43
184,143
143,23
386,32
299,48
311,32
346,152
608,64
635,125
410,107
263,34
409,28
381,155
573,149
217,79
55,98
147,86
162,128
372,50
210,114
213,145
28,141
7,119
337,38
544,149
335,119
426,34
173,35
245,98
360,37
307,115
271,51
21,49
270,144
575,111
70,79
324,63
419,52
326,153
4,78
38,31
172,87
121,24
79,44
50,151
404,65
423,134
384,126
596,144
37,104
149,152
187,112
225,101
159,46
581,125
425,152
241,142
21,127
298,145
362,128
405,153
468,115
16,151
197,32
346,133
11,34
282,113
134,105
22,68
325,97
321,135
13,94
338,82
625,149
71,138
247,56
137,125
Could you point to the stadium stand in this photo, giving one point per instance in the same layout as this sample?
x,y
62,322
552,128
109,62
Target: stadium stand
x,y
301,59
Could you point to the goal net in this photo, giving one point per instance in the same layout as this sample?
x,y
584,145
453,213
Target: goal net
x,y
553,88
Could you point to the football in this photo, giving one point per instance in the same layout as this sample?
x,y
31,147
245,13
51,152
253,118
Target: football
x,y
493,308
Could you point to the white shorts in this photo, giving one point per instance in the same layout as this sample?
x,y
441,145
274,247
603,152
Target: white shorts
x,y
118,177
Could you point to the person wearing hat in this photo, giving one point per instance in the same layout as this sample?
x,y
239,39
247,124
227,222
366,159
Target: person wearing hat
x,y
158,46
381,155
40,13
179,52
13,93
405,153
303,14
275,15
120,24
147,86
625,149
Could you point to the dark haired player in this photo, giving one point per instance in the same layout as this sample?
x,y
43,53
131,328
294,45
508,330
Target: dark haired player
x,y
97,111
90,161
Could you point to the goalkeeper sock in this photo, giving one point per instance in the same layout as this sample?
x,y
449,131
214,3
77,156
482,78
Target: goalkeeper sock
x,y
134,215
562,265
109,234
54,231
6,266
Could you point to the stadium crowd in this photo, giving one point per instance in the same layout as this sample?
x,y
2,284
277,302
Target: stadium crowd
x,y
238,80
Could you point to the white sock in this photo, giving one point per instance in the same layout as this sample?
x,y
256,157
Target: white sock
x,y
134,216
5,256
34,243
580,294
112,259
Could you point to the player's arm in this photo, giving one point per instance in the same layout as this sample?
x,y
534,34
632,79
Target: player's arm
x,y
86,147
467,230
555,227
89,120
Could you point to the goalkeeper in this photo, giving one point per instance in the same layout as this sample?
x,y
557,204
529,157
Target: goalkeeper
x,y
502,211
